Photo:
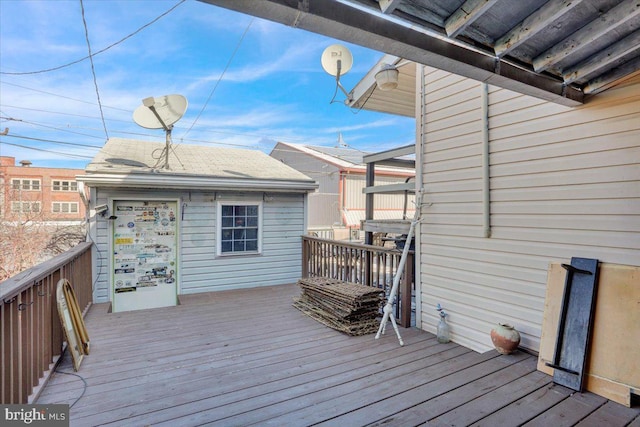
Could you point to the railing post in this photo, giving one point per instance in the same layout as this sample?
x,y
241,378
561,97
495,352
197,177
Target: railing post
x,y
405,292
305,257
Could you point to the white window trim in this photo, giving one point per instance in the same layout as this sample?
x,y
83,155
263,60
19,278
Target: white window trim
x,y
21,203
219,205
69,185
21,182
63,203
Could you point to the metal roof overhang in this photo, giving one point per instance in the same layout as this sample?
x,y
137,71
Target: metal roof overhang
x,y
558,50
176,182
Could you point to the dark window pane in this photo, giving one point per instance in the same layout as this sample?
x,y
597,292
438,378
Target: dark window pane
x,y
238,234
252,210
240,210
252,245
227,221
252,234
252,222
226,246
227,210
238,246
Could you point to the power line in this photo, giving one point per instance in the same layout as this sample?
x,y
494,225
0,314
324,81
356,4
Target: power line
x,y
246,30
93,69
50,127
100,51
77,156
54,142
60,96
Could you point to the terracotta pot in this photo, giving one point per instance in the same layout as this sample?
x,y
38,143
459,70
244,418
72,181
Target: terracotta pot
x,y
505,338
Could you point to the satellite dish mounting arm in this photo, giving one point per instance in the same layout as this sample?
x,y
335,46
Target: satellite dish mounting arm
x,y
150,104
339,67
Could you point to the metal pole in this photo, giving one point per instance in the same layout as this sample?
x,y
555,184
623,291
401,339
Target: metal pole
x,y
388,308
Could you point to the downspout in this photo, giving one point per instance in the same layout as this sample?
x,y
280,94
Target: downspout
x,y
486,179
420,119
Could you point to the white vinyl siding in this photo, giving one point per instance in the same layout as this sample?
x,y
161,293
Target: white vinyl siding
x,y
355,199
200,269
278,263
564,182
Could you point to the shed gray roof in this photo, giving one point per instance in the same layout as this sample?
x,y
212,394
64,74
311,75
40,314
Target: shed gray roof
x,y
134,163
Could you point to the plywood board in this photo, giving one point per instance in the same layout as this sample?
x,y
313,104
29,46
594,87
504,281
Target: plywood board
x,y
612,368
68,325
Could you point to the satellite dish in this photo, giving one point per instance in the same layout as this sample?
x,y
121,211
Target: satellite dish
x,y
336,60
161,112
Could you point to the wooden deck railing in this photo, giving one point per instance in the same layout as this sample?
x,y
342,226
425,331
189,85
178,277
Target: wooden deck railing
x,y
31,335
366,264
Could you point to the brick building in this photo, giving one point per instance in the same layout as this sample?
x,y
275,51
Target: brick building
x,y
37,193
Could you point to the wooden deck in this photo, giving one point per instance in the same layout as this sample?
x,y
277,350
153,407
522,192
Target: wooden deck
x,y
247,357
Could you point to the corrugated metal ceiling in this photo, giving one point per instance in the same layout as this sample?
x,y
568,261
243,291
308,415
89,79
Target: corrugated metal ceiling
x,y
558,50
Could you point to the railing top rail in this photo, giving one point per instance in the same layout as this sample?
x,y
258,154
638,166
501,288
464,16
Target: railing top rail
x,y
348,244
23,280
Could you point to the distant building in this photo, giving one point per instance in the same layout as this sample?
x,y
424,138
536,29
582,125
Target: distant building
x,y
38,193
341,174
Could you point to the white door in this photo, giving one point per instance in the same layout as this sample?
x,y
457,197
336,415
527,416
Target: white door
x,y
145,257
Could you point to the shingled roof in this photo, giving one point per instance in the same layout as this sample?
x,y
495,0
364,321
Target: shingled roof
x,y
134,163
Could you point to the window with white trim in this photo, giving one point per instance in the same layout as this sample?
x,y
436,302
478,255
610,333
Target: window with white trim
x,y
25,184
58,185
64,207
25,207
240,228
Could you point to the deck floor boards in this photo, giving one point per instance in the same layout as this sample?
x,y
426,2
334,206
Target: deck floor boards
x,y
247,357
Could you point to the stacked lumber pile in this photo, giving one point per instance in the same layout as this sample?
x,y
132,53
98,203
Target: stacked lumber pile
x,y
347,307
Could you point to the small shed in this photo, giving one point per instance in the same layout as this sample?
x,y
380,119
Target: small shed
x,y
200,219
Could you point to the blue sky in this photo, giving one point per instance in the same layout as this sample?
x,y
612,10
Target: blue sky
x,y
274,88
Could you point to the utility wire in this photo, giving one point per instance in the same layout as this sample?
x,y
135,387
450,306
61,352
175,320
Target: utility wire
x,y
77,156
93,70
60,96
53,142
100,51
11,119
219,78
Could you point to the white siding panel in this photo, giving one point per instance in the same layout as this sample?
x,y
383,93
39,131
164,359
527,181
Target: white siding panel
x,y
201,270
564,182
355,199
279,262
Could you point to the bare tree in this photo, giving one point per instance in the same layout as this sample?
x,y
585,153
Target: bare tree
x,y
27,239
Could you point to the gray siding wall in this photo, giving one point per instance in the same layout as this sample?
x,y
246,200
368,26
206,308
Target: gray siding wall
x,y
324,204
201,270
564,182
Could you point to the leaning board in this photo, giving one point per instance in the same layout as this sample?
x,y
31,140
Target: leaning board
x,y
69,324
612,368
